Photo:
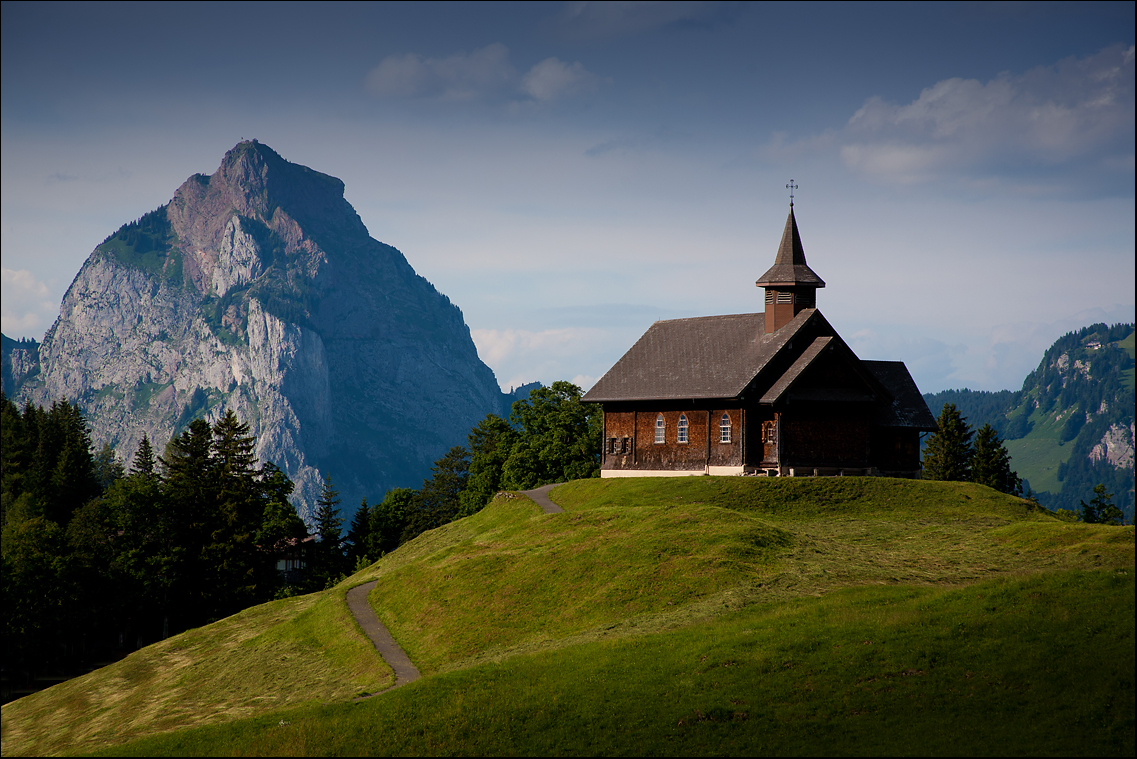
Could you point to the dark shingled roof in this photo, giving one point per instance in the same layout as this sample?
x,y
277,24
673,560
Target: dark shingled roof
x,y
790,268
908,408
704,357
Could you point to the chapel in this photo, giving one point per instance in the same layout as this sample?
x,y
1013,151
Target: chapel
x,y
775,393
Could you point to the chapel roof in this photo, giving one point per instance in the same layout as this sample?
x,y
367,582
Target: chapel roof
x,y
790,268
702,357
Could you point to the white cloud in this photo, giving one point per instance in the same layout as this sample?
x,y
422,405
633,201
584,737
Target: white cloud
x,y
28,307
1046,117
551,79
461,76
518,356
484,74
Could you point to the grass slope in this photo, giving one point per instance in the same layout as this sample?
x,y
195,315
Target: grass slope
x,y
1001,667
705,615
295,651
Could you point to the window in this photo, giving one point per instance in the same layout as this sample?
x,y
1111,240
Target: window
x,y
682,428
724,429
786,297
660,428
612,445
769,297
627,448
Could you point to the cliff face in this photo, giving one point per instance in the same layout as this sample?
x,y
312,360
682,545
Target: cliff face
x,y
259,289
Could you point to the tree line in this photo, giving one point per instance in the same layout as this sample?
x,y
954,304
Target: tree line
x,y
98,559
957,452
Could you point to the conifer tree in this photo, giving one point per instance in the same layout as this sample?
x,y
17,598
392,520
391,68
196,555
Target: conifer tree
x,y
991,464
143,465
359,535
329,558
948,453
231,552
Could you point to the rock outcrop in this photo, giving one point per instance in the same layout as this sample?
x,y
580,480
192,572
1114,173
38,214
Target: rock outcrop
x,y
259,289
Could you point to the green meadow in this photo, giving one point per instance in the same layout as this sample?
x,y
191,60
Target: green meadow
x,y
663,616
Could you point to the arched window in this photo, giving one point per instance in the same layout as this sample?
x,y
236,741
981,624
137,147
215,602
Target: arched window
x,y
659,429
682,428
724,429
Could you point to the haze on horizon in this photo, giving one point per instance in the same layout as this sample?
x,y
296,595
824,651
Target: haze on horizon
x,y
568,174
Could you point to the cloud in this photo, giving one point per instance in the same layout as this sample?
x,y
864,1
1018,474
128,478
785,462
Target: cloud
x,y
28,307
461,76
588,21
551,79
484,74
1079,110
518,356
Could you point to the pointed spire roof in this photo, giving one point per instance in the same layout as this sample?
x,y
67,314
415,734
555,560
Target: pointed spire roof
x,y
790,268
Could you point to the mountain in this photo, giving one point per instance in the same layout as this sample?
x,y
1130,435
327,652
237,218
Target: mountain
x,y
1071,426
258,288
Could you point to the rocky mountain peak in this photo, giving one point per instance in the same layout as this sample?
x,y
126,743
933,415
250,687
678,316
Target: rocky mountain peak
x,y
255,189
258,288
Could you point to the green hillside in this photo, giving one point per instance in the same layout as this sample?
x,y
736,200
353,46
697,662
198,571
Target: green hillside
x,y
1080,395
690,615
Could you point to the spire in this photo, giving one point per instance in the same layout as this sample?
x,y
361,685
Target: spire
x,y
790,268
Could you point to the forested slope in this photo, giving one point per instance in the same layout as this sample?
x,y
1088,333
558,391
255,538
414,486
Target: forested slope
x,y
1070,427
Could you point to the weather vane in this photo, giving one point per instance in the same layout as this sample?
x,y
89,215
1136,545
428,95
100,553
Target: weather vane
x,y
791,187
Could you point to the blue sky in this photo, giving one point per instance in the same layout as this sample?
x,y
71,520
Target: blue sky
x,y
569,173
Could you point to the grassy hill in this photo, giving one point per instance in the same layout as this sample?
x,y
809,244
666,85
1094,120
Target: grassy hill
x,y
689,615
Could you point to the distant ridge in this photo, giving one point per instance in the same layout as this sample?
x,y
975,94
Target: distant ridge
x,y
1071,425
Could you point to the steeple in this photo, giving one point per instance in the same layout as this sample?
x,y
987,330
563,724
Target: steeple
x,y
790,284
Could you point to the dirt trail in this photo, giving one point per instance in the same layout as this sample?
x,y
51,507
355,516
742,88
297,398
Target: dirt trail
x,y
392,652
540,496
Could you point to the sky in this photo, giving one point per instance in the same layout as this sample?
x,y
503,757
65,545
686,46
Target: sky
x,y
569,173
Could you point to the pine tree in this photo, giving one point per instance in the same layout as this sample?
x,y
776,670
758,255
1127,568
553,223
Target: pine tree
x,y
143,465
231,552
329,559
948,453
991,464
360,533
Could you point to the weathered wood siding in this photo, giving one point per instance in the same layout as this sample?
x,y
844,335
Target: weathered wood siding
x,y
629,439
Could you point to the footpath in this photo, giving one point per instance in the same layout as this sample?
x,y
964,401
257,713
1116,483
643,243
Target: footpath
x,y
381,638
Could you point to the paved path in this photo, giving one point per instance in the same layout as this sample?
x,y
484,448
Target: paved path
x,y
392,652
540,496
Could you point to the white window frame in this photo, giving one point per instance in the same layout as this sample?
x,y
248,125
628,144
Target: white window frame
x,y
682,436
660,429
724,429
